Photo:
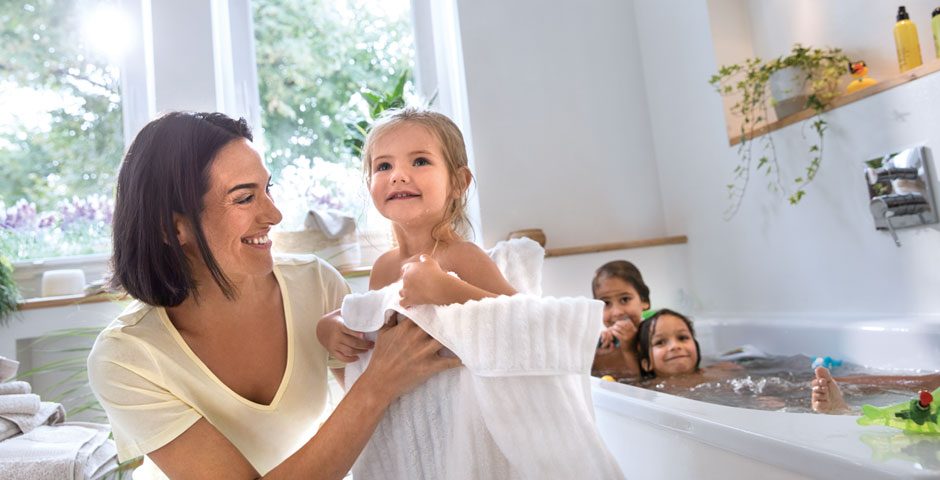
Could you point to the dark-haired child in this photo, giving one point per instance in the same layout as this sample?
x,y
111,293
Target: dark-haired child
x,y
620,286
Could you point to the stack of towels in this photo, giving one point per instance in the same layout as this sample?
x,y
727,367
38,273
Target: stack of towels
x,y
36,444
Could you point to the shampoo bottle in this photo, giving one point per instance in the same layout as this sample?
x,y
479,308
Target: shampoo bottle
x,y
905,39
935,26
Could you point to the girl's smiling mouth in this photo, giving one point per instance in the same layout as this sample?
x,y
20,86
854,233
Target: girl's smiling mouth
x,y
402,195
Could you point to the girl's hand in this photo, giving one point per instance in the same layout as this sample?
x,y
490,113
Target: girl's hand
x,y
622,330
423,282
342,343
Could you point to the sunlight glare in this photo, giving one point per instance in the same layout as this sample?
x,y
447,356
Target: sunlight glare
x,y
107,31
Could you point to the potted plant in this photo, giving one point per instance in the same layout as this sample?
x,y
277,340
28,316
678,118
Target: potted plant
x,y
813,75
9,295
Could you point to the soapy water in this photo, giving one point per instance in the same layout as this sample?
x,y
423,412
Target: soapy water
x,y
776,383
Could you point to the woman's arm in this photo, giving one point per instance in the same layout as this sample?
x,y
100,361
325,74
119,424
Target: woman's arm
x,y
404,357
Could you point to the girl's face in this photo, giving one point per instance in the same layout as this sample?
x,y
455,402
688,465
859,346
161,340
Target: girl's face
x,y
409,181
672,348
621,300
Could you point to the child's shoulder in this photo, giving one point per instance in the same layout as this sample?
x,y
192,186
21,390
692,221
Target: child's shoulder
x,y
385,270
466,254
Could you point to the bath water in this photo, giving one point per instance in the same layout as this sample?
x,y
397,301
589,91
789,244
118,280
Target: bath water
x,y
775,383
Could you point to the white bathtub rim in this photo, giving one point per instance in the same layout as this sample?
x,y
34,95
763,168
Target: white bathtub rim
x,y
817,446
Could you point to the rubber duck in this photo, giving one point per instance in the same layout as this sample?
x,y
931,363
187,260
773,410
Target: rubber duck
x,y
859,71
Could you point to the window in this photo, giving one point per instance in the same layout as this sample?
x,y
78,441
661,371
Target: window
x,y
61,131
313,60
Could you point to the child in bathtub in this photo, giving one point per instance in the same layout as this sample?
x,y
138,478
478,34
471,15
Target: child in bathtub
x,y
416,170
619,284
827,396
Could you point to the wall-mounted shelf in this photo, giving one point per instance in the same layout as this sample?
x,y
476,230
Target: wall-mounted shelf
x,y
607,247
881,86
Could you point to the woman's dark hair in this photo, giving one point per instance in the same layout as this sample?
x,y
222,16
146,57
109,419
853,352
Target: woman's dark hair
x,y
166,171
625,271
645,337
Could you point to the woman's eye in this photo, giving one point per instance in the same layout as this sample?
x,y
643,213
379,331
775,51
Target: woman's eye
x,y
421,161
245,200
383,167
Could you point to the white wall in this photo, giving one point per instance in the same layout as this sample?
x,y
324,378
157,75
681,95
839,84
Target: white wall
x,y
559,121
822,256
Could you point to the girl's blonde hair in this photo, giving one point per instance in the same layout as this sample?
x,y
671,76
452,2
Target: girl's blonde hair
x,y
455,157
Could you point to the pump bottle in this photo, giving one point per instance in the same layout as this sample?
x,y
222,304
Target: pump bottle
x,y
905,39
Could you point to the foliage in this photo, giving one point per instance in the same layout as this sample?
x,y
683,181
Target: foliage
x,y
822,70
9,296
313,56
378,101
76,226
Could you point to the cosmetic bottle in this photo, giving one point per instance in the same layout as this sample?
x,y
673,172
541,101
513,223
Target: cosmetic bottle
x,y
905,39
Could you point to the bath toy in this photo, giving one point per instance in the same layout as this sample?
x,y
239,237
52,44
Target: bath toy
x,y
648,313
918,415
608,378
860,71
827,362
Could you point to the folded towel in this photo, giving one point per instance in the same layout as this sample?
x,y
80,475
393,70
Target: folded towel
x,y
49,414
8,368
14,387
24,403
520,407
68,451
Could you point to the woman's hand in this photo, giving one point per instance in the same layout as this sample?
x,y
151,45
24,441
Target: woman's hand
x,y
405,356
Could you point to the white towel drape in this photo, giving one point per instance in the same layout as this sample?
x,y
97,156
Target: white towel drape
x,y
520,408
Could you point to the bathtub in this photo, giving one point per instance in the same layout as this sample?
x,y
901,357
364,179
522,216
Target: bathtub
x,y
656,436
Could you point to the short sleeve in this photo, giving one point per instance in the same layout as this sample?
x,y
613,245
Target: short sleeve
x,y
144,416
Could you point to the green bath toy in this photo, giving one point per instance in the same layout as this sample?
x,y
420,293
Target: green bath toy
x,y
918,415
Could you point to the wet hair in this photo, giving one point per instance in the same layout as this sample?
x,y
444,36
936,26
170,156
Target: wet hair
x,y
166,171
644,345
455,157
625,271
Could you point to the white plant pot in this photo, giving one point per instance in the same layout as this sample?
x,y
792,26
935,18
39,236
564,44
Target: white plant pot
x,y
790,90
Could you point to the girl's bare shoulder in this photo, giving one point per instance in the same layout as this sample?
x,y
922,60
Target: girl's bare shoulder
x,y
386,270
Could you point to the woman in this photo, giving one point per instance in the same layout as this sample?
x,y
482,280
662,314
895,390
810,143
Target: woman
x,y
215,370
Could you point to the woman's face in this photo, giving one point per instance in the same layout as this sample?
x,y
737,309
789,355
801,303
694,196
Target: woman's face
x,y
238,213
672,348
621,300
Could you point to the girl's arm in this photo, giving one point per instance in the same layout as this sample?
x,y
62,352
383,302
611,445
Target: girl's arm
x,y
424,282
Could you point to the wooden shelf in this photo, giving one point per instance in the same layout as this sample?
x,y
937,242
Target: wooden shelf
x,y
606,247
65,300
881,86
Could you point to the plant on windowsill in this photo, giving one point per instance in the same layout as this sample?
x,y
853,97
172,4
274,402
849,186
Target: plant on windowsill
x,y
817,73
9,295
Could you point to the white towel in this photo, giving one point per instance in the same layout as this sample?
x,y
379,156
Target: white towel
x,y
27,403
8,368
14,387
49,413
69,451
521,406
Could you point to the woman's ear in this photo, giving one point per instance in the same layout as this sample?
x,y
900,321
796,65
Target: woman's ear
x,y
182,229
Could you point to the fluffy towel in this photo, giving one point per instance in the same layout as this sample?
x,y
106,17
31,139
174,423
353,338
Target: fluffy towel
x,y
70,451
27,403
520,408
8,368
49,413
9,388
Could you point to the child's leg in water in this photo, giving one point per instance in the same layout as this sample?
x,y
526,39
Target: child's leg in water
x,y
827,397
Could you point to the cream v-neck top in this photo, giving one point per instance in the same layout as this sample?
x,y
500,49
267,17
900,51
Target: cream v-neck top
x,y
153,387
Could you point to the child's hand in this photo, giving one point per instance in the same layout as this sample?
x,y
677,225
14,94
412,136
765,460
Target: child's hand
x,y
625,333
423,282
342,343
